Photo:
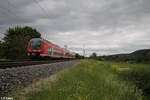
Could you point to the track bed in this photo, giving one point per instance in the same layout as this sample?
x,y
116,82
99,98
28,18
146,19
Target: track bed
x,y
13,64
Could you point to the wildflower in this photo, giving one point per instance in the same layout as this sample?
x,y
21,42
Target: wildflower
x,y
115,67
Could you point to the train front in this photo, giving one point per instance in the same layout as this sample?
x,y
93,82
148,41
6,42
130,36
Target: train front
x,y
34,47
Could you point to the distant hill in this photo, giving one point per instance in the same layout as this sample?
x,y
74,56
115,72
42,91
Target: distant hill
x,y
142,52
122,54
137,56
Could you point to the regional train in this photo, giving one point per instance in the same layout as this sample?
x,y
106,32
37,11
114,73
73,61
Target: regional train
x,y
40,48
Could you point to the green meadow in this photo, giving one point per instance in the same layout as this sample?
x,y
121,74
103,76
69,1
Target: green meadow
x,y
90,80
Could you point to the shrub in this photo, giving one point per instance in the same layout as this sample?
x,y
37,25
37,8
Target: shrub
x,y
140,76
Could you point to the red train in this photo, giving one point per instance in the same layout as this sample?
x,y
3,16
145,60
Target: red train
x,y
38,47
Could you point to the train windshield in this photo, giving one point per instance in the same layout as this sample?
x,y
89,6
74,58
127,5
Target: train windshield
x,y
35,44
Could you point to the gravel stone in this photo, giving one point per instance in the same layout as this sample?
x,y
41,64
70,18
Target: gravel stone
x,y
12,78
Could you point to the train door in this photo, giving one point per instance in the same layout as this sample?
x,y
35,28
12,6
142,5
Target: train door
x,y
49,51
52,51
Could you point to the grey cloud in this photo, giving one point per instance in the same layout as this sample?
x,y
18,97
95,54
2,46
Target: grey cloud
x,y
112,26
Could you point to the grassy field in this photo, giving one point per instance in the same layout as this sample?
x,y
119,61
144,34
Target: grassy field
x,y
138,74
87,80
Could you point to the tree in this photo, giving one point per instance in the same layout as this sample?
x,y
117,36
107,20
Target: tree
x,y
16,40
1,49
93,56
79,56
148,57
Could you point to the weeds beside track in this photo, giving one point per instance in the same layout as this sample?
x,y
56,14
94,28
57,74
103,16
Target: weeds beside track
x,y
87,80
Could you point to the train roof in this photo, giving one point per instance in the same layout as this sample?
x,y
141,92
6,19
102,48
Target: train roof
x,y
36,39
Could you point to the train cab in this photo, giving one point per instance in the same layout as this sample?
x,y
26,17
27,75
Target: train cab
x,y
34,47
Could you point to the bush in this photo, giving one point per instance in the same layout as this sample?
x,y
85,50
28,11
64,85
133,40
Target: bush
x,y
140,76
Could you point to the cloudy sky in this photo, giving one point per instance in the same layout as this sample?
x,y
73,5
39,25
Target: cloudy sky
x,y
101,26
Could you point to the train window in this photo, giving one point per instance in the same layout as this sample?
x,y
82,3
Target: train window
x,y
35,44
45,46
49,49
53,50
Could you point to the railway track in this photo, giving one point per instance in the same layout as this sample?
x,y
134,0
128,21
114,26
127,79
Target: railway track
x,y
13,64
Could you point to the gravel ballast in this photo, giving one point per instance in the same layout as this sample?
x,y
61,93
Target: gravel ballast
x,y
11,79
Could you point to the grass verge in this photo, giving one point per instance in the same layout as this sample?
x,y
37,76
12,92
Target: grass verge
x,y
87,80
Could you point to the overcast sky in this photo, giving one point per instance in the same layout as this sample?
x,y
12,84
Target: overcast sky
x,y
101,26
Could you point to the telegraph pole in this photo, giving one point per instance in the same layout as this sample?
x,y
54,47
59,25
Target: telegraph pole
x,y
84,50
